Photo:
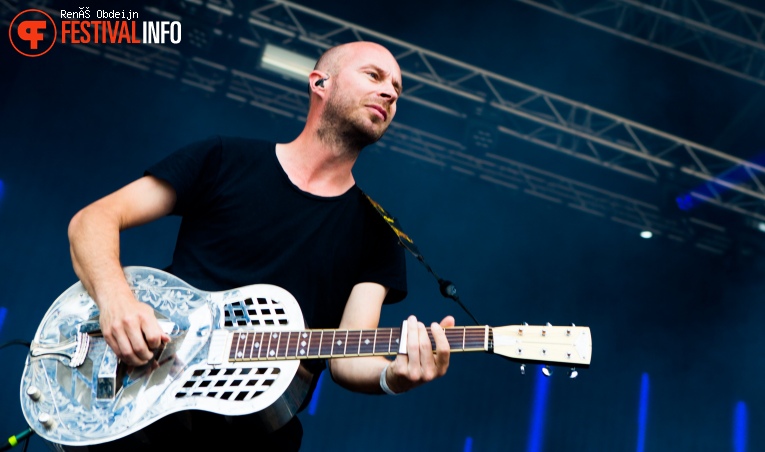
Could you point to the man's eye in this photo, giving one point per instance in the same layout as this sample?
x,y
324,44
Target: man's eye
x,y
373,75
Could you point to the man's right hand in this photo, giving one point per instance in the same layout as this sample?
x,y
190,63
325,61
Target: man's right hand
x,y
131,329
128,326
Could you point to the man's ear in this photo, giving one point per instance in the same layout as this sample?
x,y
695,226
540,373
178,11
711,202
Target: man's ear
x,y
316,80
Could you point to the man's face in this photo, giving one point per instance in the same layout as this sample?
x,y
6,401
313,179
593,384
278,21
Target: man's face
x,y
362,100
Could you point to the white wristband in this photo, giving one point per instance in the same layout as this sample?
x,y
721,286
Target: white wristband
x,y
384,382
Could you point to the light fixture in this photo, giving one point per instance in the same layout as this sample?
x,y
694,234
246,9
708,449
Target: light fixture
x,y
546,371
287,63
646,234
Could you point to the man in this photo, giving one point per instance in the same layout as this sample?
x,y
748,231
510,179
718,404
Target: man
x,y
228,232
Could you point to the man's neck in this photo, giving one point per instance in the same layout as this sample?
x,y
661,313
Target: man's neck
x,y
316,166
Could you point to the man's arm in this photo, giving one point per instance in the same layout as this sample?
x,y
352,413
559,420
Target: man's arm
x,y
420,365
128,325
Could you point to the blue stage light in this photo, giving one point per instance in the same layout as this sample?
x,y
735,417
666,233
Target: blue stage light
x,y
685,202
541,388
468,445
740,427
313,406
3,312
642,412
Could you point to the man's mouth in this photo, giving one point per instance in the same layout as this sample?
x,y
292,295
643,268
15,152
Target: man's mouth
x,y
380,110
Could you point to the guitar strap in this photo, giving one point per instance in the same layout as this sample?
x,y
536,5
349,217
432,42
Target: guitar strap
x,y
447,287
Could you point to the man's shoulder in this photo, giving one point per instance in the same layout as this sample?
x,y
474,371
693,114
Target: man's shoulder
x,y
243,151
244,144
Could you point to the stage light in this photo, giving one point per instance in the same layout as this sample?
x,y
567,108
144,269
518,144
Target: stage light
x,y
643,412
314,404
740,427
573,373
546,371
287,63
646,234
536,428
3,312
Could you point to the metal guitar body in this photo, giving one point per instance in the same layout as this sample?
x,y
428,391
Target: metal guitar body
x,y
74,391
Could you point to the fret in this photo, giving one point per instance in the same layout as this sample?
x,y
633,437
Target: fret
x,y
270,351
345,345
320,345
278,337
310,346
332,351
366,344
250,344
301,344
464,332
325,349
390,340
283,345
287,346
286,353
315,343
363,349
374,344
259,343
241,340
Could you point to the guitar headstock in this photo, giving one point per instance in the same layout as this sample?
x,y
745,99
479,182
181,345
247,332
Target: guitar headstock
x,y
558,345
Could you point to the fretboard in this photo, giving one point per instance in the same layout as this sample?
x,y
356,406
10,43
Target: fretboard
x,y
311,344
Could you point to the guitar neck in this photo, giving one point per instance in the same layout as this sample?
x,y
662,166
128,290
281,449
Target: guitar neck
x,y
312,344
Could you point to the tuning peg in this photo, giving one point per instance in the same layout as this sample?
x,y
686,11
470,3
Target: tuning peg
x,y
523,369
573,373
546,371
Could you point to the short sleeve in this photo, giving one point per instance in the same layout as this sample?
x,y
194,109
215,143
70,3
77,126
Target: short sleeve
x,y
192,171
384,258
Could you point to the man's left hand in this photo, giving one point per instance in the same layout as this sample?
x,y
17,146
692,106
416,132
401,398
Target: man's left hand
x,y
420,365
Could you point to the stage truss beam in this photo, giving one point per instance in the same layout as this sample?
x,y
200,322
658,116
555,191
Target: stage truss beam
x,y
716,33
561,124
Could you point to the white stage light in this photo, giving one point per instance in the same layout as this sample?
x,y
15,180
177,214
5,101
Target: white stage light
x,y
287,63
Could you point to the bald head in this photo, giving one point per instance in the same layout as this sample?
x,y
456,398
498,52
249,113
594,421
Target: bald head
x,y
332,59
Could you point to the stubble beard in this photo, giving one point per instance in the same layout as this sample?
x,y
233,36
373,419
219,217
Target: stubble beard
x,y
344,128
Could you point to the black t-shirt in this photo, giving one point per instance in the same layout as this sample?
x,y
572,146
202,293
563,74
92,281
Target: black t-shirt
x,y
244,222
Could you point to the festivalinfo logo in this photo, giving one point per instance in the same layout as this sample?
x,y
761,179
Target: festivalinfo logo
x,y
33,32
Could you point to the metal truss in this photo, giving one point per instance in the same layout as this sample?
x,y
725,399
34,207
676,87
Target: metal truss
x,y
716,33
464,91
435,82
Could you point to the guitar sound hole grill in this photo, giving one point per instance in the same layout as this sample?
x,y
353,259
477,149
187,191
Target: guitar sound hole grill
x,y
249,312
233,384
